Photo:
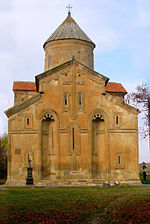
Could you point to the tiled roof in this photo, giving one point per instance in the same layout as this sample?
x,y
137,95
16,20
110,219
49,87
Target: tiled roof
x,y
25,86
69,29
114,87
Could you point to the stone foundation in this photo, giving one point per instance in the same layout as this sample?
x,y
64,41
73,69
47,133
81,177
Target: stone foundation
x,y
83,183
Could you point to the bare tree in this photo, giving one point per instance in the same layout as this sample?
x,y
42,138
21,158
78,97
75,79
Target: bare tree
x,y
141,100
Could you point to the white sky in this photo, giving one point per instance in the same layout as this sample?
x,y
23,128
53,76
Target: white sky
x,y
119,28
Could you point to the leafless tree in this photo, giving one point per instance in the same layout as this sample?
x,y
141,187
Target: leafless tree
x,y
141,100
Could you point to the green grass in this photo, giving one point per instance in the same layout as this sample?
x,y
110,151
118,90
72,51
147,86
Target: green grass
x,y
147,181
75,205
2,181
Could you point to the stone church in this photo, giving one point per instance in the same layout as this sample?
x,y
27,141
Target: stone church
x,y
71,123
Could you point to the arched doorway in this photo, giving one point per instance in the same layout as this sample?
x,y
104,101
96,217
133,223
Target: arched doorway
x,y
98,146
48,145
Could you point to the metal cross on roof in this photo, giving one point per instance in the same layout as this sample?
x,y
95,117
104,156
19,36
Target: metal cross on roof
x,y
69,7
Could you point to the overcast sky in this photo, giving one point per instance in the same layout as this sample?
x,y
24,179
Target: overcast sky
x,y
119,28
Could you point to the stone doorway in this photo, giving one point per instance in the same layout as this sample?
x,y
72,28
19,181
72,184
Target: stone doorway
x,y
98,146
47,146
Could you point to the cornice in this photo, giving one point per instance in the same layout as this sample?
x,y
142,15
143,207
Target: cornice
x,y
123,105
27,103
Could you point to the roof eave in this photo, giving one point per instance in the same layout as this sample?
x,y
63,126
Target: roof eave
x,y
68,39
123,93
19,107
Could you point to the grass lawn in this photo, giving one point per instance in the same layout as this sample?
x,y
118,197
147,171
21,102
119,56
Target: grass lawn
x,y
75,205
147,181
2,181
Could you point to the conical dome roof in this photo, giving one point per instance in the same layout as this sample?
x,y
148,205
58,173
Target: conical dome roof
x,y
69,29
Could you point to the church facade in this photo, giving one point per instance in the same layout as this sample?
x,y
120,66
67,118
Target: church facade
x,y
71,123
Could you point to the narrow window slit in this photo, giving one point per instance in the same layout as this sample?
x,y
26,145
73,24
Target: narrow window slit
x,y
52,141
89,60
73,139
119,159
28,121
65,100
80,100
117,120
48,61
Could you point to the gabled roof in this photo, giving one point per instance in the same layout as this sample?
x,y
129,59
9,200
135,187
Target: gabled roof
x,y
113,87
25,86
64,65
69,29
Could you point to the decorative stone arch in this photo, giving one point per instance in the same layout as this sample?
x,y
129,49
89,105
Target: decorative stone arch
x,y
48,113
49,155
99,113
48,116
98,126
